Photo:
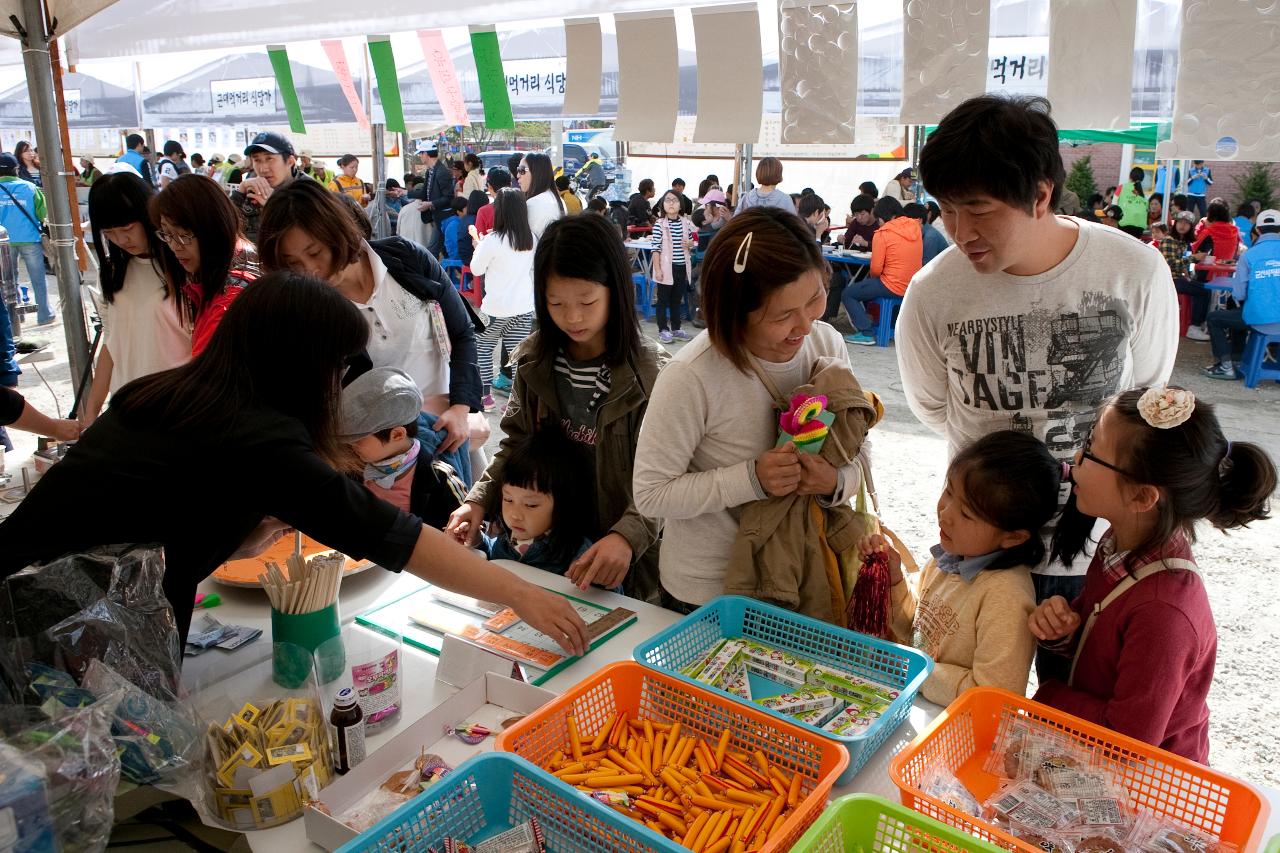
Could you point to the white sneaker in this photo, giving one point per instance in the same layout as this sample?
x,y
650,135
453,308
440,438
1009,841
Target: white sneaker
x,y
1197,333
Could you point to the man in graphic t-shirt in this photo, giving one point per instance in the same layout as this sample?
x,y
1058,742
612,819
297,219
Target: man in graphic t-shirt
x,y
1037,318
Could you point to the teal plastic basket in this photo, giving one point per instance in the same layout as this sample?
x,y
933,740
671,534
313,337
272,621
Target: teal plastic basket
x,y
490,794
899,667
869,824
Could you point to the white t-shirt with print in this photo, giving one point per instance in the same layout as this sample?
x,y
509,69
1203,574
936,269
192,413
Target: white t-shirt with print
x,y
980,352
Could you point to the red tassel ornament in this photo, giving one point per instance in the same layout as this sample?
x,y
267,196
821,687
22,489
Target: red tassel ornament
x,y
868,609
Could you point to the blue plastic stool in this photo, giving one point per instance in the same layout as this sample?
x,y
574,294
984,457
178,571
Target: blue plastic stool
x,y
884,327
644,296
1255,356
449,265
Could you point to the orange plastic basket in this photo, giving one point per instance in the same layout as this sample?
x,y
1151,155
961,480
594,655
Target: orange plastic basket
x,y
644,693
1158,781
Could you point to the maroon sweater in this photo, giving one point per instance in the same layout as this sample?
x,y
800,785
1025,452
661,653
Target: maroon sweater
x,y
1146,668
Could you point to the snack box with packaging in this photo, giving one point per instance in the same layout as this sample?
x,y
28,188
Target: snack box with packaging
x,y
26,823
721,661
804,699
855,719
361,796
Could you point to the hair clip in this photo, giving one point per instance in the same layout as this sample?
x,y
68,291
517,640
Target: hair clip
x,y
1066,472
744,249
1224,464
1163,407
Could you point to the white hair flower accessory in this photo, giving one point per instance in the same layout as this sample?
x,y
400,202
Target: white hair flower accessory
x,y
1165,408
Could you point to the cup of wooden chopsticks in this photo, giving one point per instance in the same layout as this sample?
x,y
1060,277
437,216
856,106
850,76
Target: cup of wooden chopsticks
x,y
304,615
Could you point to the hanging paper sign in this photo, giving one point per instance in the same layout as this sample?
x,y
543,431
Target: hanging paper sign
x,y
444,77
338,62
1018,65
247,96
493,81
535,82
384,69
71,100
284,80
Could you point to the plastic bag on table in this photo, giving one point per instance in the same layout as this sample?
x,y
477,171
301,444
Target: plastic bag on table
x,y
159,742
106,604
58,776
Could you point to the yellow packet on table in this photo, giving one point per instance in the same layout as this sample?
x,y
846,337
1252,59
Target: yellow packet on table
x,y
279,803
248,714
289,752
245,756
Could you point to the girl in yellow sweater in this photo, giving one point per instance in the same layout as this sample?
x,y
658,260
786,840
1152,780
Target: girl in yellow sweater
x,y
968,607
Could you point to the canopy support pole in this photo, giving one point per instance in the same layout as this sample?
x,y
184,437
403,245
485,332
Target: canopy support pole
x,y
44,112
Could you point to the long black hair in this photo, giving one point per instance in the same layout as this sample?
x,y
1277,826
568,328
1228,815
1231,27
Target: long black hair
x,y
266,354
588,248
117,201
547,461
542,177
511,219
1011,482
1136,175
1198,472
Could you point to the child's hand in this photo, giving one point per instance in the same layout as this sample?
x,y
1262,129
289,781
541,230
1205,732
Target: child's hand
x,y
464,524
1053,619
605,563
778,470
877,544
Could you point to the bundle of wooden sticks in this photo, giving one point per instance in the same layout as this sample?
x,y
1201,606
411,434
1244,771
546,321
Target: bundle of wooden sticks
x,y
310,585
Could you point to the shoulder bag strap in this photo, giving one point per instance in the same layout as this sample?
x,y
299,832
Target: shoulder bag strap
x,y
1141,573
21,207
778,400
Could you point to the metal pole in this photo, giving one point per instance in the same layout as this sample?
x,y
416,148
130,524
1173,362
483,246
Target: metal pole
x,y
35,57
378,206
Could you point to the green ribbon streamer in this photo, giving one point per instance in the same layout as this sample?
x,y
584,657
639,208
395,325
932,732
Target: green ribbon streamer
x,y
384,69
493,81
284,80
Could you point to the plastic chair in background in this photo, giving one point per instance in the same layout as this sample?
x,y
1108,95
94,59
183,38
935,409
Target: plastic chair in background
x,y
644,301
1255,356
888,306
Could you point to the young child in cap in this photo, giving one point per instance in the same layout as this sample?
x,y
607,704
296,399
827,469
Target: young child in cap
x,y
380,422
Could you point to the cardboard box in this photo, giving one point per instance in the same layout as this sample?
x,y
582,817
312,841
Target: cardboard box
x,y
488,700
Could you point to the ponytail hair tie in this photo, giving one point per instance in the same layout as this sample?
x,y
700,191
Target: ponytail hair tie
x,y
1224,464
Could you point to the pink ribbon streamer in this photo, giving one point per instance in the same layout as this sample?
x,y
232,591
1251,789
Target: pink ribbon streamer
x,y
338,61
444,77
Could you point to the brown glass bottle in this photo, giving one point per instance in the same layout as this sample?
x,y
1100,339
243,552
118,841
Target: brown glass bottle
x,y
348,730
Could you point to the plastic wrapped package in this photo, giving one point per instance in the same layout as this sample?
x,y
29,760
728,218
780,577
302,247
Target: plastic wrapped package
x,y
59,775
159,742
938,780
106,604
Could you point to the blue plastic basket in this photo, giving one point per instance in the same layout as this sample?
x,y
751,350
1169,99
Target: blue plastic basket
x,y
493,792
728,616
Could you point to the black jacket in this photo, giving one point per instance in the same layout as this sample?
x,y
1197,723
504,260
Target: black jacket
x,y
421,274
438,190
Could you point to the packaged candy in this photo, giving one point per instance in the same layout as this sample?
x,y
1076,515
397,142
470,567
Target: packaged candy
x,y
819,717
854,720
940,782
1157,834
523,838
1028,803
1097,840
1044,838
736,680
852,687
776,664
720,662
808,699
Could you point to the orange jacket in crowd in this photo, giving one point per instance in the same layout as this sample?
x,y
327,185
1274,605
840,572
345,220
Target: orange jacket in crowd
x,y
896,253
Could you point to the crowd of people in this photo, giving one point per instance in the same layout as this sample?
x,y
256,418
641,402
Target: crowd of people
x,y
261,346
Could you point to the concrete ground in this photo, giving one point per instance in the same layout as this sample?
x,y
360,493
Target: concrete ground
x,y
909,463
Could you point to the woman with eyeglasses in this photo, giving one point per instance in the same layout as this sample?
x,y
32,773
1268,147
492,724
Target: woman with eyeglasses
x,y
208,257
537,179
146,321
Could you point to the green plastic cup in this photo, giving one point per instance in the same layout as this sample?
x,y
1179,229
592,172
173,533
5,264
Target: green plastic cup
x,y
297,636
